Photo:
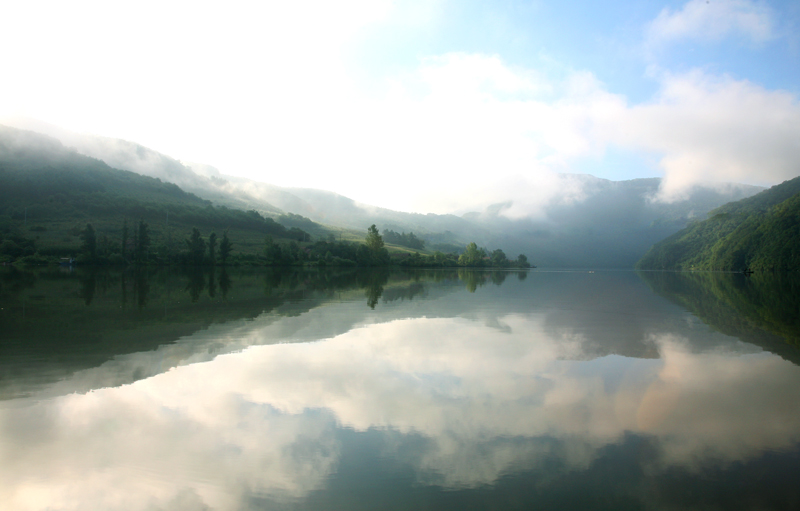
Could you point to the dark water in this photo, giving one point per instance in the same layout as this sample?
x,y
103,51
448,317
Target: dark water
x,y
253,389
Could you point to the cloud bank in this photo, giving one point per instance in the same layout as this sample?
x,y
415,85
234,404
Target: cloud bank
x,y
274,93
712,21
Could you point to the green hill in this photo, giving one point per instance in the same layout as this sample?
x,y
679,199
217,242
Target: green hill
x,y
49,193
760,233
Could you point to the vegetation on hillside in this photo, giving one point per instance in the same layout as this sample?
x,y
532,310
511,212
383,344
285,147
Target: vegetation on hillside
x,y
52,198
409,240
760,233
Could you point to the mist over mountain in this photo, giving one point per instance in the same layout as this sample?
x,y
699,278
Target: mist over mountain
x,y
599,223
614,223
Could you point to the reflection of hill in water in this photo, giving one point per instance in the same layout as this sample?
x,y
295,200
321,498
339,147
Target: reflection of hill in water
x,y
761,309
56,322
108,328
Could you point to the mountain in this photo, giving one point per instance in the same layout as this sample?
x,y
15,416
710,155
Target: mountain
x,y
609,224
759,233
133,157
49,193
613,224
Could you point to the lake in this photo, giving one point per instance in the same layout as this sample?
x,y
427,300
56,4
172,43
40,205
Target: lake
x,y
248,389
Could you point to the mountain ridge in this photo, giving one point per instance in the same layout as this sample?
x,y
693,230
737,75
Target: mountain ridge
x,y
612,224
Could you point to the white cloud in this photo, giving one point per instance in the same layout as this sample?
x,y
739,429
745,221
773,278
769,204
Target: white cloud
x,y
708,129
262,90
703,129
713,21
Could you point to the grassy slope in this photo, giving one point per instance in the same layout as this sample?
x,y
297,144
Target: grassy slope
x,y
760,233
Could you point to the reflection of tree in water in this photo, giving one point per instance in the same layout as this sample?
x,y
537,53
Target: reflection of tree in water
x,y
522,275
373,293
196,283
272,280
472,279
212,284
15,281
124,284
405,292
373,281
498,277
141,287
224,283
285,279
88,286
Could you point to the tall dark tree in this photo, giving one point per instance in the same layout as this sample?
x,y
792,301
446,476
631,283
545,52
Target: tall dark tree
x,y
142,242
376,252
125,235
212,248
273,252
197,247
225,247
374,239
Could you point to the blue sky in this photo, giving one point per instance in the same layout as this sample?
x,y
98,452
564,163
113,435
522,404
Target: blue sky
x,y
481,101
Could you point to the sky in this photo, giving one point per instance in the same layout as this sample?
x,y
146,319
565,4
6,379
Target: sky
x,y
427,106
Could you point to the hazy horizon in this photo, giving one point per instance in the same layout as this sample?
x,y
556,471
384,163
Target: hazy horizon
x,y
429,107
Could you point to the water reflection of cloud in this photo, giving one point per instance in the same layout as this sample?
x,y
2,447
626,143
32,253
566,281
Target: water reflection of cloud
x,y
715,406
487,401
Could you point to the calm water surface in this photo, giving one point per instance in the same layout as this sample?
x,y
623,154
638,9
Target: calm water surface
x,y
245,389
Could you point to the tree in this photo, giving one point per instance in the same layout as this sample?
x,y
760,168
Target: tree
x,y
142,245
472,256
374,239
225,247
409,240
89,245
273,252
197,247
499,259
377,253
522,261
212,247
124,237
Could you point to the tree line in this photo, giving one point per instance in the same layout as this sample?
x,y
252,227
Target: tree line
x,y
135,247
472,257
409,240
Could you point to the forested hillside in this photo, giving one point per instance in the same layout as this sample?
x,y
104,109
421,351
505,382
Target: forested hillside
x,y
48,195
760,233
